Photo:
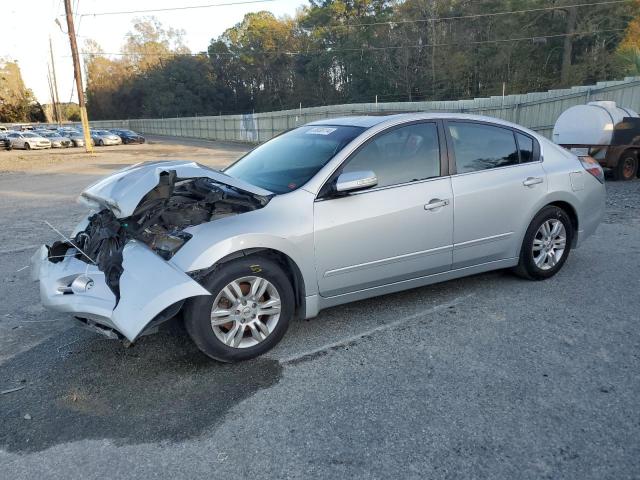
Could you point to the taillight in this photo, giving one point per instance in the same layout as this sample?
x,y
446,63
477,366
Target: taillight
x,y
593,167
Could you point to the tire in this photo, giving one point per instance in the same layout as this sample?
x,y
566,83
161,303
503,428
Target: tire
x,y
527,266
627,167
100,143
27,146
198,310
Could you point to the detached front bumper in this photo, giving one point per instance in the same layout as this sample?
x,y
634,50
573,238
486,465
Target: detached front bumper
x,y
148,286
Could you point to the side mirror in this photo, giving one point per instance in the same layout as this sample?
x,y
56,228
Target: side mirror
x,y
352,181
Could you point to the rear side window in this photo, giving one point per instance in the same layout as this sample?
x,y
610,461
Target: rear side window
x,y
525,145
481,147
404,154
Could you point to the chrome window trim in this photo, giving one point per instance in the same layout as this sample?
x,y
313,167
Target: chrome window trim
x,y
495,168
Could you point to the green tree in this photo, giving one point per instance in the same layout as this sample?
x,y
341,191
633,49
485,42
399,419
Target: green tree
x,y
17,103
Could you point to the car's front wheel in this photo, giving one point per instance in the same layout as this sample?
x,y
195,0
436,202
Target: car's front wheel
x,y
27,146
546,244
247,313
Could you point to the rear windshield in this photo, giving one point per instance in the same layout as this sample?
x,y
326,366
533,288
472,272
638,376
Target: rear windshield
x,y
288,161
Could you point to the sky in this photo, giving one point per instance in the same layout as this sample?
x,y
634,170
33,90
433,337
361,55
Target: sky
x,y
28,24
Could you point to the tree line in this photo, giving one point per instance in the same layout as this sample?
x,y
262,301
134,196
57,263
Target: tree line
x,y
17,103
347,51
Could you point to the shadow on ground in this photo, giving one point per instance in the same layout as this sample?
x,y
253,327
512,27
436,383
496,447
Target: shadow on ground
x,y
78,386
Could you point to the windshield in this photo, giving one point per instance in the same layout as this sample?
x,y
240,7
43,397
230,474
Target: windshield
x,y
30,135
291,159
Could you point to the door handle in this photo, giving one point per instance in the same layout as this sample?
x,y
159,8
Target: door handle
x,y
436,203
531,181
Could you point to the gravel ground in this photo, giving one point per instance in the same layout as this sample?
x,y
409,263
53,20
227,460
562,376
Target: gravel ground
x,y
484,377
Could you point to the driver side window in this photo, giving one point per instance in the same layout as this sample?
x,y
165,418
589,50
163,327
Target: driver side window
x,y
404,154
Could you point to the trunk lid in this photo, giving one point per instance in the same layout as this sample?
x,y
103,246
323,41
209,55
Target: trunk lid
x,y
122,191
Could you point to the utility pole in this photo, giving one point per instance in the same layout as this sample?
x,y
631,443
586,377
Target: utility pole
x,y
54,113
56,101
567,47
77,70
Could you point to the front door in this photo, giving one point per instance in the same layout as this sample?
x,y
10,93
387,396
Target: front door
x,y
398,230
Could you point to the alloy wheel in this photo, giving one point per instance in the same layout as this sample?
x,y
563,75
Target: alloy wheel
x,y
549,244
245,312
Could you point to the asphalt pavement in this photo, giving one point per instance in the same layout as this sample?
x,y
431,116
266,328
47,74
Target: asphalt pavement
x,y
488,377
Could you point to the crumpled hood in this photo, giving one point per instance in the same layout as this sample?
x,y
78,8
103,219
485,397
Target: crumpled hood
x,y
122,191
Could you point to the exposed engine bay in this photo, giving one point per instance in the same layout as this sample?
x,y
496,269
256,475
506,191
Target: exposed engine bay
x,y
158,221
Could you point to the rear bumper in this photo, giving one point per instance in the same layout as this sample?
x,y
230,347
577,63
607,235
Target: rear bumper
x,y
592,209
148,286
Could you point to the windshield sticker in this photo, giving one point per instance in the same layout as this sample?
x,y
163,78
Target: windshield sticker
x,y
320,131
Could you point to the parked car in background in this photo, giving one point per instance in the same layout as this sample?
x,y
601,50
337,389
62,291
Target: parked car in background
x,y
22,127
287,230
3,129
28,141
5,141
57,140
77,138
105,137
128,136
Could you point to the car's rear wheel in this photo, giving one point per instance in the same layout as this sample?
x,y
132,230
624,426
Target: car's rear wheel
x,y
546,244
27,146
247,313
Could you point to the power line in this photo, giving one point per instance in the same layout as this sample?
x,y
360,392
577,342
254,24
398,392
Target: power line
x,y
367,24
475,15
170,9
371,24
363,49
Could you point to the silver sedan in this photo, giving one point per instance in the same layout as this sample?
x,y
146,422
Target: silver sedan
x,y
57,140
104,138
329,213
28,140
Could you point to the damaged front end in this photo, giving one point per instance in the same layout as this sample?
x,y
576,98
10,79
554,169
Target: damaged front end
x,y
117,266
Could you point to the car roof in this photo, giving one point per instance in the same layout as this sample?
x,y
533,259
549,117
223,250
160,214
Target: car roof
x,y
369,121
366,121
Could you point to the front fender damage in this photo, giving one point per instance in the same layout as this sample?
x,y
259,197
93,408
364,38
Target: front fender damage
x,y
116,270
148,285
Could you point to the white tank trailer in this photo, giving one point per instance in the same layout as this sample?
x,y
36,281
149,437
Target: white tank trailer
x,y
605,131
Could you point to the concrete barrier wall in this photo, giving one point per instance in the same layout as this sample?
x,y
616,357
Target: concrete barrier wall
x,y
537,110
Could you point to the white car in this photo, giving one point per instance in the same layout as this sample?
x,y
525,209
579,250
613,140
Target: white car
x,y
28,141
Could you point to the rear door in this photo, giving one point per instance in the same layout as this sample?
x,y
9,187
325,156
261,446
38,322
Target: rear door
x,y
16,140
498,180
398,230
